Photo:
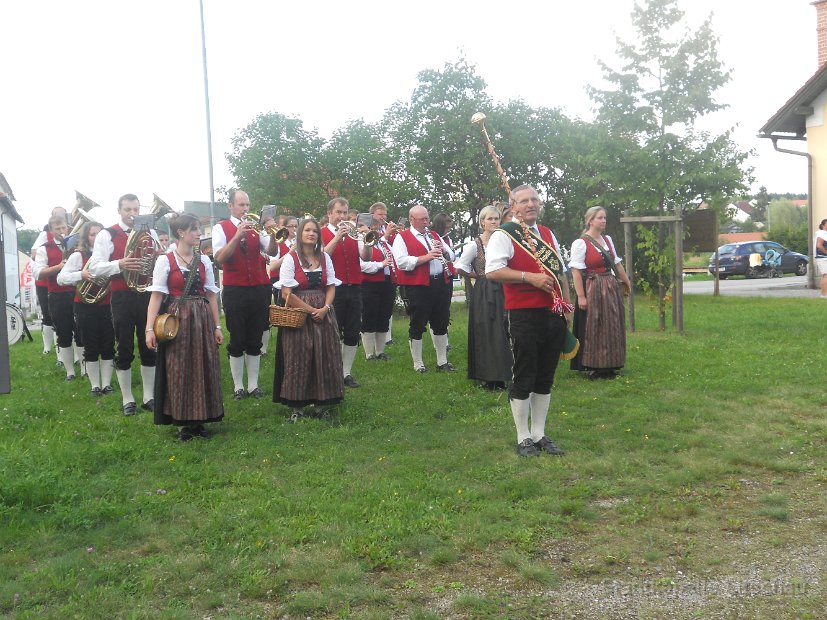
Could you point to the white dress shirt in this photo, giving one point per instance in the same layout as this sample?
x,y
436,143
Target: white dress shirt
x,y
500,249
408,263
578,252
71,273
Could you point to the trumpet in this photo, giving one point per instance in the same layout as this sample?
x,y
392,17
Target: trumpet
x,y
369,238
279,234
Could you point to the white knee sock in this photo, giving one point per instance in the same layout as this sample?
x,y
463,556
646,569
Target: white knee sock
x,y
389,333
416,353
78,353
369,344
148,379
252,362
348,355
106,372
441,347
237,372
539,412
48,338
125,383
379,341
65,356
519,410
93,371
265,340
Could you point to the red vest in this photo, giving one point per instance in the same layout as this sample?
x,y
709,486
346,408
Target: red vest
x,y
594,258
119,237
301,277
244,269
177,280
45,281
524,295
54,255
421,275
378,276
345,258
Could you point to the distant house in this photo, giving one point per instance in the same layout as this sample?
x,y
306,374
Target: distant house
x,y
804,118
741,237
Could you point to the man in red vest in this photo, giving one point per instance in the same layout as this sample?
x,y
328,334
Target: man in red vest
x,y
536,301
42,289
346,254
128,306
423,261
48,262
237,249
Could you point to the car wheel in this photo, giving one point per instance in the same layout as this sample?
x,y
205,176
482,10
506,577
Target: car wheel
x,y
801,268
752,272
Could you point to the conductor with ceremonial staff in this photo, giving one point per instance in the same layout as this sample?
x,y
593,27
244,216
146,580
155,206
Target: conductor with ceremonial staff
x,y
423,271
525,257
237,248
129,306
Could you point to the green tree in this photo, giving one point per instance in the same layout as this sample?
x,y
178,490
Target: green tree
x,y
25,238
667,81
759,207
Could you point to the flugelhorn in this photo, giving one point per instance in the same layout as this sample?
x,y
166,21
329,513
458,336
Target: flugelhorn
x,y
92,291
479,119
369,238
279,234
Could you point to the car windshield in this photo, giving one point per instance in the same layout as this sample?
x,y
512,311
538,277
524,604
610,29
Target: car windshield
x,y
729,248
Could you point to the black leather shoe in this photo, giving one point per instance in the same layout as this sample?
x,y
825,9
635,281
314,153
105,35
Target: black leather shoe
x,y
185,433
149,405
351,382
371,358
421,370
239,395
256,393
107,389
69,378
383,356
130,409
547,445
199,431
389,343
96,392
527,448
446,367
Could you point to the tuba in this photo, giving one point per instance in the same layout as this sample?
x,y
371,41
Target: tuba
x,y
94,291
159,208
142,244
70,241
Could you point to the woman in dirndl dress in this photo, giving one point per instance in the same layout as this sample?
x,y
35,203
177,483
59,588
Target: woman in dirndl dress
x,y
489,353
188,369
309,358
599,316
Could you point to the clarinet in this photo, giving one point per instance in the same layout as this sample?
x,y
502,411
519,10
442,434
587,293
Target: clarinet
x,y
445,270
386,254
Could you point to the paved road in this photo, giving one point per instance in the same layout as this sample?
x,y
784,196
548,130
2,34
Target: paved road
x,y
789,286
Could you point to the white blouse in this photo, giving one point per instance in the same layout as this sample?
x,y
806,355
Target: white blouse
x,y
287,274
160,274
578,252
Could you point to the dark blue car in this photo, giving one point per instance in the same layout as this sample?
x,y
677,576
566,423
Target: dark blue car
x,y
733,259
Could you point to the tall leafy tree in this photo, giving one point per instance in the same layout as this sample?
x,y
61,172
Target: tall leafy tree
x,y
668,79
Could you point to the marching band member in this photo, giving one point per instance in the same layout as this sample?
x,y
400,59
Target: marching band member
x,y
188,386
42,288
308,359
378,297
489,354
346,254
94,320
379,210
47,264
423,271
536,301
128,306
237,249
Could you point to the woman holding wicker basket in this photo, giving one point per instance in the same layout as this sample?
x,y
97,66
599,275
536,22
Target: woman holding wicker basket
x,y
188,372
308,356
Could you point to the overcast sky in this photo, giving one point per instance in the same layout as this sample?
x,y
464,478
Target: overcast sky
x,y
107,96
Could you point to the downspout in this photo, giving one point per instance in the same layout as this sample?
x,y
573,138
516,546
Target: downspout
x,y
811,276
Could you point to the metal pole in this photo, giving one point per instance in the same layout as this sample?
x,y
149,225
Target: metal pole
x,y
207,103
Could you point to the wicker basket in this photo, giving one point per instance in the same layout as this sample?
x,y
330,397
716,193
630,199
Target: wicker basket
x,y
282,316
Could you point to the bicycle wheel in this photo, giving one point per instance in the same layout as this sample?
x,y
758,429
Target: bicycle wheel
x,y
14,323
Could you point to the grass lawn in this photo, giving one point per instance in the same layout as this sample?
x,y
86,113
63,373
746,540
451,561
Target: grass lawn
x,y
693,487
